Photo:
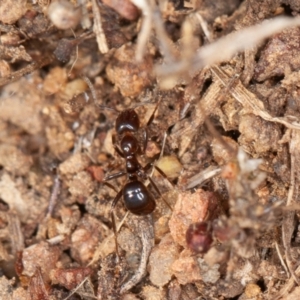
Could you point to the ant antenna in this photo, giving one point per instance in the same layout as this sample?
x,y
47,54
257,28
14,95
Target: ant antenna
x,y
75,61
92,89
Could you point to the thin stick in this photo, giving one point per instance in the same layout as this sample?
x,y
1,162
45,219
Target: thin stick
x,y
289,216
94,95
98,30
54,195
26,70
78,287
145,227
281,259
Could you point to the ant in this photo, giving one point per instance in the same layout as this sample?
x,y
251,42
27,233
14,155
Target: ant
x,y
137,198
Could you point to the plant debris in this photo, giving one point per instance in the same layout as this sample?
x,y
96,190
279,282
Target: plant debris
x,y
216,90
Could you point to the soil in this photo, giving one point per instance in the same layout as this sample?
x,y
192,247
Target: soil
x,y
215,85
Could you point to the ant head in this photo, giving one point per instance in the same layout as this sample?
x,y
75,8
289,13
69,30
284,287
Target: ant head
x,y
127,121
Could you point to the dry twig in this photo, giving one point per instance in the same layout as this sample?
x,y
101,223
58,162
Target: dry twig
x,y
144,227
98,30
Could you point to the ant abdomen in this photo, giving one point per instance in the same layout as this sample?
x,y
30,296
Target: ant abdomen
x,y
137,198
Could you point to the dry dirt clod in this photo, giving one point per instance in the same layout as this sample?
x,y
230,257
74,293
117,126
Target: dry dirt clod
x,y
263,135
69,278
153,293
191,208
279,55
161,259
14,161
81,184
12,10
129,76
74,164
22,107
41,256
85,239
188,269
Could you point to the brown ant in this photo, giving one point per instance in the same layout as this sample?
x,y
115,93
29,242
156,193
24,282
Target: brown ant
x,y
137,198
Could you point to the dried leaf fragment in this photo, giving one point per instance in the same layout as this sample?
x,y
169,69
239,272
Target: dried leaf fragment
x,y
170,165
10,194
38,289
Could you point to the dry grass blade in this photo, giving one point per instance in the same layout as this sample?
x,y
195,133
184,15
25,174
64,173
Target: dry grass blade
x,y
209,102
231,44
249,101
289,216
26,70
202,177
284,292
152,17
77,289
98,30
17,237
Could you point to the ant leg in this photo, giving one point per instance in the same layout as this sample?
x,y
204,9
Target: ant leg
x,y
159,193
148,123
152,116
115,175
147,167
94,96
159,170
145,140
117,149
111,186
113,205
163,174
146,176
